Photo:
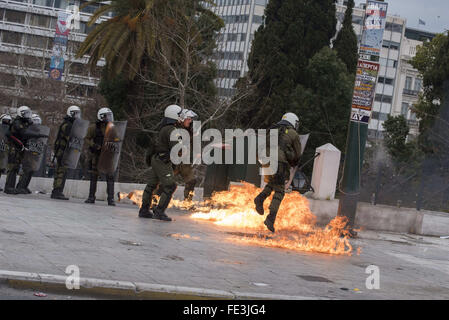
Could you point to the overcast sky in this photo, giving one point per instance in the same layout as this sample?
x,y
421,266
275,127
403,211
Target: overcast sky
x,y
434,12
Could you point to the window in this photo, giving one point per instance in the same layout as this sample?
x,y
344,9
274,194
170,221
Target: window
x,y
357,20
393,27
232,74
236,19
8,58
43,3
418,84
383,116
79,69
391,45
387,99
33,62
404,109
392,63
258,19
7,80
408,83
232,36
15,16
39,20
386,80
383,98
12,37
36,41
2,13
61,4
89,9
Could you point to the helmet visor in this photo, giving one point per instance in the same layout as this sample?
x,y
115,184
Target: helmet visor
x,y
107,117
27,114
75,114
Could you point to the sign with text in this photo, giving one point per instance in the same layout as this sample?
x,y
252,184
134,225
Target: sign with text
x,y
364,91
373,29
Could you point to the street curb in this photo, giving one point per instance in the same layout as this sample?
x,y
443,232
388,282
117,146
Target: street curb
x,y
130,290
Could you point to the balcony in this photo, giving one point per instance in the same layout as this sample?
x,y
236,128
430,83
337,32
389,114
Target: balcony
x,y
410,92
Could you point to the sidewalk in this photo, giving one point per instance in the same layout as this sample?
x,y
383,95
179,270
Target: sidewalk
x,y
42,236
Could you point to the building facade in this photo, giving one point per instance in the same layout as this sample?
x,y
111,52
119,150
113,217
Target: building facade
x,y
388,78
242,18
398,83
27,33
410,83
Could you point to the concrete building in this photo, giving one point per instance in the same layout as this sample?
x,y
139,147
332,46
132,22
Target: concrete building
x,y
242,18
27,33
409,83
388,78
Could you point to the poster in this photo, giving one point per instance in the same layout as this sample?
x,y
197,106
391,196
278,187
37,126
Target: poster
x,y
364,91
62,25
59,46
373,29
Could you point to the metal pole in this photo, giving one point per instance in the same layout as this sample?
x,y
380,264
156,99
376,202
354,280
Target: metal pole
x,y
357,133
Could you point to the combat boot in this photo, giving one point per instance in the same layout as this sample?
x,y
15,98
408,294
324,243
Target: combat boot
x,y
92,190
21,185
270,220
145,212
160,215
10,183
269,224
110,191
58,195
258,201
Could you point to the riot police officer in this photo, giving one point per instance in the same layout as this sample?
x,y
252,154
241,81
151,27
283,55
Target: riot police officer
x,y
186,170
94,140
25,178
5,122
161,172
61,144
289,153
17,140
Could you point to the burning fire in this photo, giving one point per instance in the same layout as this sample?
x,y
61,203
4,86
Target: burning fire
x,y
295,225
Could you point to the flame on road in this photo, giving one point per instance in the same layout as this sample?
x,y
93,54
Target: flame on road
x,y
295,225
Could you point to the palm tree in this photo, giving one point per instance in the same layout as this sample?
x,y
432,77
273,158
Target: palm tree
x,y
126,38
136,30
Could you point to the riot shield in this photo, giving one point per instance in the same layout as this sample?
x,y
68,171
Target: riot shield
x,y
76,141
35,146
3,146
112,146
303,139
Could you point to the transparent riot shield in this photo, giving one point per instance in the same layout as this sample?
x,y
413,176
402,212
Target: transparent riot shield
x,y
3,146
76,141
112,147
35,146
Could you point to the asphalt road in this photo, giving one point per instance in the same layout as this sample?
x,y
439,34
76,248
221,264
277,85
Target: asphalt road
x,y
44,236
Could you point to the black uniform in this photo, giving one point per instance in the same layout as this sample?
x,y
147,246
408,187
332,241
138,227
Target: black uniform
x,y
17,141
94,141
61,143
